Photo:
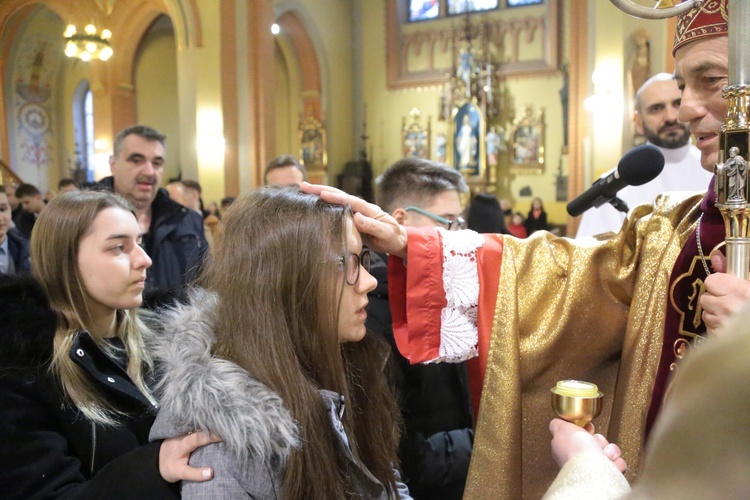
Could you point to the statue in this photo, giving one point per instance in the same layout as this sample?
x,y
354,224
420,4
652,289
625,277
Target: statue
x,y
736,172
495,143
466,145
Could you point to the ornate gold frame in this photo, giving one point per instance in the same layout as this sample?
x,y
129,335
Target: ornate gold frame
x,y
527,142
313,147
477,171
415,139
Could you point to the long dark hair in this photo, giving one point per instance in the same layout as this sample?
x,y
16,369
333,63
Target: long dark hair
x,y
276,272
485,215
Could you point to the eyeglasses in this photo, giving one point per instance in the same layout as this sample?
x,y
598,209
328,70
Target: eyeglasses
x,y
450,225
350,264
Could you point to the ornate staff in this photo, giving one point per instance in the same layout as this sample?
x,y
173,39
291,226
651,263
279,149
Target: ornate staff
x,y
732,187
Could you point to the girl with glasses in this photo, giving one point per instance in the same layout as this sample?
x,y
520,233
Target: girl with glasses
x,y
74,366
271,355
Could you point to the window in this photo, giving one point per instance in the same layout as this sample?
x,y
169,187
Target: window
x,y
421,10
521,3
80,161
462,6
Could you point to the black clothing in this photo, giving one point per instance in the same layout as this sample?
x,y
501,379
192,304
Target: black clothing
x,y
18,246
436,445
175,242
531,224
49,449
24,221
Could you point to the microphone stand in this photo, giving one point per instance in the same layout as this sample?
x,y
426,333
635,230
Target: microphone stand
x,y
619,204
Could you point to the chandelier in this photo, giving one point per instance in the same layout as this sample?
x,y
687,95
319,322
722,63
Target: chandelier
x,y
87,45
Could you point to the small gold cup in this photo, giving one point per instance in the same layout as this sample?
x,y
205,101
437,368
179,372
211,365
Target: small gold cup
x,y
576,401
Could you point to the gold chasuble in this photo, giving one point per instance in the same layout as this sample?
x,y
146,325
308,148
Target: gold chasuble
x,y
591,309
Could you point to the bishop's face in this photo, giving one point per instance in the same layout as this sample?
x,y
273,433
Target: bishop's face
x,y
701,71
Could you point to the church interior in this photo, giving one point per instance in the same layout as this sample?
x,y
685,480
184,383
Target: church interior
x,y
543,88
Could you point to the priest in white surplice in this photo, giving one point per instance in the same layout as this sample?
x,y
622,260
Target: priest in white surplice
x,y
656,105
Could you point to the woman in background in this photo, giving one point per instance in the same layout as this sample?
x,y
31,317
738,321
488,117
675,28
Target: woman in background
x,y
537,218
76,406
485,215
271,355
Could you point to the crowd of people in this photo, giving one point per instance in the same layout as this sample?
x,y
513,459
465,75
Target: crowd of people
x,y
300,342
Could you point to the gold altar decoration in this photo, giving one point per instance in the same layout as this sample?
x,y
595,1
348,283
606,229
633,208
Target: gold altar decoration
x,y
415,138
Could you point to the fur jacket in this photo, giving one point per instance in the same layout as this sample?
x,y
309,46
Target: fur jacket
x,y
202,392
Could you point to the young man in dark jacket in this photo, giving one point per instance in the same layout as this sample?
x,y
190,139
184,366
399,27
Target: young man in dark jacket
x,y
172,234
435,449
14,248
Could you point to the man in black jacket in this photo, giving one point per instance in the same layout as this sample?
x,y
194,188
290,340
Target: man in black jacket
x,y
14,248
23,220
172,234
435,449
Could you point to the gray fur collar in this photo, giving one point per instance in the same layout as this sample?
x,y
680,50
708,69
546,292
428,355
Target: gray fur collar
x,y
200,392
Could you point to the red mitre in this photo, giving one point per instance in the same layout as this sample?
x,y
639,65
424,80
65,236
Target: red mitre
x,y
710,19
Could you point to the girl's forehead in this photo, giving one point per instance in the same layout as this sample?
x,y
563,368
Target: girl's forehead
x,y
353,238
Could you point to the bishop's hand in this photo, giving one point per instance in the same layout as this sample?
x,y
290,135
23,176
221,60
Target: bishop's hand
x,y
381,231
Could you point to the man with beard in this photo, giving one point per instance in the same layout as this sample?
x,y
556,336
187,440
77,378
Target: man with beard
x,y
621,311
657,104
172,234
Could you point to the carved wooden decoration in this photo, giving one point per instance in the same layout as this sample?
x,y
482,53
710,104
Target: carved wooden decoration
x,y
419,54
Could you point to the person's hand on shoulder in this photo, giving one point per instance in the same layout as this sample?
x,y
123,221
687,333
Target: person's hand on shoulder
x,y
174,454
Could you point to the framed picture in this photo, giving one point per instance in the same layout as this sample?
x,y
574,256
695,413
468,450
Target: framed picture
x,y
312,135
467,140
527,142
415,137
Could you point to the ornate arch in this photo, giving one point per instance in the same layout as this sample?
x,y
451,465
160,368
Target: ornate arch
x,y
111,82
304,47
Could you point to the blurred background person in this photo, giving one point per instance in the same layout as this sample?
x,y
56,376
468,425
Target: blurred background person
x,y
536,220
486,215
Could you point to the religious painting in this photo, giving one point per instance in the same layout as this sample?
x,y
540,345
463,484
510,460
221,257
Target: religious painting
x,y
313,143
415,137
527,142
467,140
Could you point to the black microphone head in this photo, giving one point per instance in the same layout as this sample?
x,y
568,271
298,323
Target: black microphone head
x,y
641,165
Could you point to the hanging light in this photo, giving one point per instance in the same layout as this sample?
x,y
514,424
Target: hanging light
x,y
88,45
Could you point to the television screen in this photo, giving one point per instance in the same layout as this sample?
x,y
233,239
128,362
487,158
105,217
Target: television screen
x,y
420,10
461,6
521,3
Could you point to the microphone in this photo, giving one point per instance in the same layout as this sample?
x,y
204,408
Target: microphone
x,y
639,166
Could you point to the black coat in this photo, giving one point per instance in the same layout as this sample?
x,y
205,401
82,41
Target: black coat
x,y
19,252
48,449
533,224
24,221
435,448
175,241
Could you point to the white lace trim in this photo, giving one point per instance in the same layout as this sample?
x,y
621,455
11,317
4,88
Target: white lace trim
x,y
458,320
